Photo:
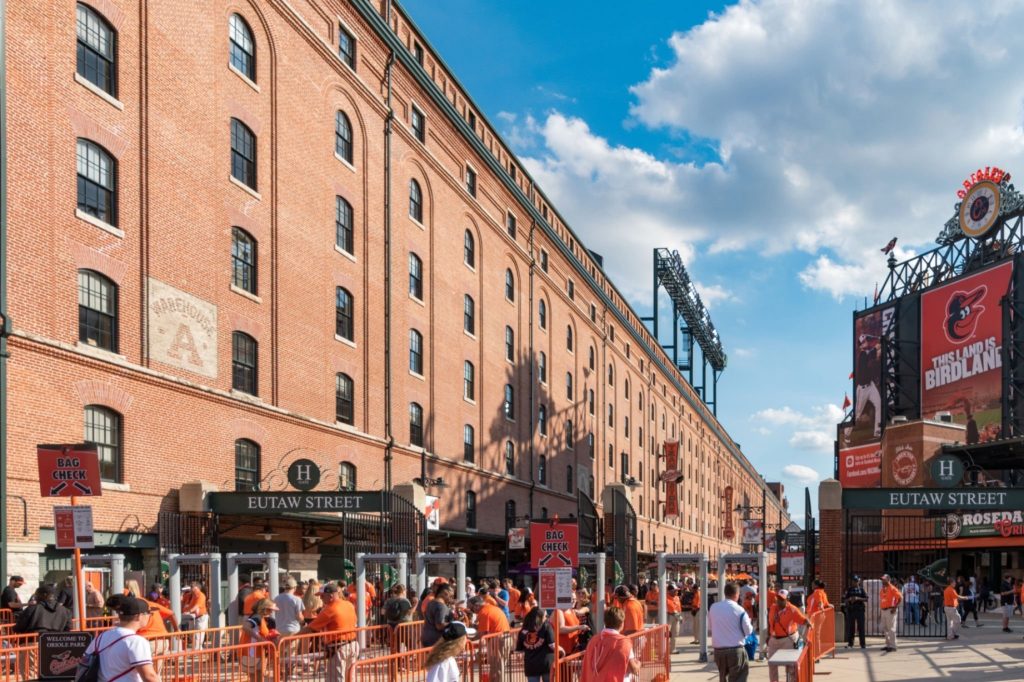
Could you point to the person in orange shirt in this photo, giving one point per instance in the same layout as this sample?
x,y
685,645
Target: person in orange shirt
x,y
890,599
818,601
513,597
337,624
632,608
651,601
193,603
674,609
693,607
950,601
527,602
569,627
255,629
784,622
491,620
609,656
258,594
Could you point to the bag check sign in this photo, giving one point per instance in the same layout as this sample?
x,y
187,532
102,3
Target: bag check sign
x,y
554,544
68,470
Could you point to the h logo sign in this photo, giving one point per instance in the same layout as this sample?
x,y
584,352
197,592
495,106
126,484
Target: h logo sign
x,y
303,474
945,468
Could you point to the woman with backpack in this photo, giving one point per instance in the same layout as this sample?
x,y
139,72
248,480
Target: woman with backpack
x,y
256,629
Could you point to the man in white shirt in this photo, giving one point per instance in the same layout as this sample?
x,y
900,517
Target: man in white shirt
x,y
289,608
911,597
125,655
730,625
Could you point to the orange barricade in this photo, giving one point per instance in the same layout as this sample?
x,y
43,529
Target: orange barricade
x,y
6,616
250,662
323,656
650,649
406,637
824,632
407,666
195,639
569,667
495,658
95,623
18,663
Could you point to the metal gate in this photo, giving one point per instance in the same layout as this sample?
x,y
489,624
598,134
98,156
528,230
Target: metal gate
x,y
587,513
905,548
620,534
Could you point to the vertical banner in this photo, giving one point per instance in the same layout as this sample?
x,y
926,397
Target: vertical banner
x,y
961,352
868,363
753,532
433,512
727,528
671,476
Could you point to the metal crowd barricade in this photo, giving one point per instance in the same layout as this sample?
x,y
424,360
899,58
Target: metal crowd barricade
x,y
569,668
311,657
18,663
824,632
650,647
495,660
182,640
6,616
248,662
408,666
406,637
94,623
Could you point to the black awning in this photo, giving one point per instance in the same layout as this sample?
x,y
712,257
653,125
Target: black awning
x,y
1006,453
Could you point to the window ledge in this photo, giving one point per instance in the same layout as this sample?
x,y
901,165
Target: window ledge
x,y
102,94
472,268
471,401
235,393
98,352
417,223
244,78
418,376
345,162
242,292
469,334
345,341
110,485
246,188
345,253
96,222
417,300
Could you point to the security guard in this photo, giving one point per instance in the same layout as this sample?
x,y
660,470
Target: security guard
x,y
784,621
890,600
855,600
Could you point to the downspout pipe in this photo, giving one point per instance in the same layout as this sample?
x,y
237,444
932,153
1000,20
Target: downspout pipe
x,y
388,435
533,361
5,321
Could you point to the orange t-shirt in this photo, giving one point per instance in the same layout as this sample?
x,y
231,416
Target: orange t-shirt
x,y
336,616
156,626
246,638
527,606
491,619
607,658
784,622
652,599
423,604
695,604
818,601
949,596
673,604
195,600
568,641
513,600
488,599
252,599
890,596
634,616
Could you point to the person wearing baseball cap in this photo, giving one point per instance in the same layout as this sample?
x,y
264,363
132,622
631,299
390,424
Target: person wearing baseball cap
x,y
441,663
124,654
784,623
889,599
631,608
337,620
856,600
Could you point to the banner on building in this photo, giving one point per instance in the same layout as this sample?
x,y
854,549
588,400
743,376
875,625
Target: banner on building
x,y
981,524
433,512
672,475
753,532
961,352
517,538
868,331
727,528
861,466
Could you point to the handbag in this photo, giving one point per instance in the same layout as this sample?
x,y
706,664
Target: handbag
x,y
751,642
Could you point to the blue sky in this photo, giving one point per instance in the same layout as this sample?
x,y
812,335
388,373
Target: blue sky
x,y
778,145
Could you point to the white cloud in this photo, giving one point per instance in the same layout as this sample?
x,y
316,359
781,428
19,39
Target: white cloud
x,y
800,473
712,294
813,431
838,126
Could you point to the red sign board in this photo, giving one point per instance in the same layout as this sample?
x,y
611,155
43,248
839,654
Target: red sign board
x,y
554,544
861,466
68,470
671,486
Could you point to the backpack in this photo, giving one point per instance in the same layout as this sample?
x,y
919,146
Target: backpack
x,y
88,669
393,610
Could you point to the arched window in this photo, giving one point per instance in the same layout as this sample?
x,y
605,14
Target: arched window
x,y
568,479
103,428
343,136
510,458
591,485
97,310
242,52
415,276
542,367
542,470
468,443
470,509
543,512
590,445
468,381
592,359
542,314
247,465
415,352
469,249
243,154
625,388
243,260
611,375
97,42
343,314
416,424
510,344
568,385
344,234
243,363
347,476
510,402
344,403
468,314
542,420
510,286
97,181
590,401
415,201
611,415
568,338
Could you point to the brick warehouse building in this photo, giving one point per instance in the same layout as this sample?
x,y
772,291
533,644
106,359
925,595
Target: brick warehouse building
x,y
292,234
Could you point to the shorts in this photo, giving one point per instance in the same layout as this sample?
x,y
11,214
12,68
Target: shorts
x,y
1008,610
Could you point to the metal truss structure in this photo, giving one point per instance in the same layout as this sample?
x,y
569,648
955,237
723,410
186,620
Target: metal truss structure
x,y
691,323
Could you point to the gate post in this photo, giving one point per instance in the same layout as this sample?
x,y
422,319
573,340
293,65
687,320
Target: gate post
x,y
174,585
831,536
460,576
232,587
403,569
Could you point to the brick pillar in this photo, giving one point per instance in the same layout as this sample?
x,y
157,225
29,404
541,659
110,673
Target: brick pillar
x,y
832,539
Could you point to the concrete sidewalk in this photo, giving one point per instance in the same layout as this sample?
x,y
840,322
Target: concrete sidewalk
x,y
985,654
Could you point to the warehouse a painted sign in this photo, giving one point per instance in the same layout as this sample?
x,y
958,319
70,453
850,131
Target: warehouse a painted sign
x,y
261,503
935,498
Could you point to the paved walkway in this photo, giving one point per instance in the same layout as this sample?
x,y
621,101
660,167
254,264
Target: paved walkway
x,y
984,654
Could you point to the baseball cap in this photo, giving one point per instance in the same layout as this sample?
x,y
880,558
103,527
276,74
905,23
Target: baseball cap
x,y
622,591
783,593
130,606
328,588
856,578
456,629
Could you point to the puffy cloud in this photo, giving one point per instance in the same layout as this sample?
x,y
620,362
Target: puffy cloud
x,y
835,125
800,473
813,431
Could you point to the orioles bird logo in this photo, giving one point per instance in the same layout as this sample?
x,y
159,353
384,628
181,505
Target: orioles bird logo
x,y
963,313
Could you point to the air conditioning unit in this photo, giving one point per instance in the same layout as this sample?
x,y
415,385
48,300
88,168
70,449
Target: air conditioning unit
x,y
899,419
944,417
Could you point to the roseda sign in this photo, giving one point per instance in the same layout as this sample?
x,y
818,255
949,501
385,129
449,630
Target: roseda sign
x,y
982,524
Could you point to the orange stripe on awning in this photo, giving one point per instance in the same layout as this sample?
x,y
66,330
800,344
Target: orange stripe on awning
x,y
908,545
994,542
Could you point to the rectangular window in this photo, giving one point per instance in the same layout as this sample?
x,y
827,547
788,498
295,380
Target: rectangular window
x,y
512,170
470,510
468,443
419,125
346,47
472,121
469,381
344,405
417,52
543,260
510,225
572,290
243,363
243,154
471,181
